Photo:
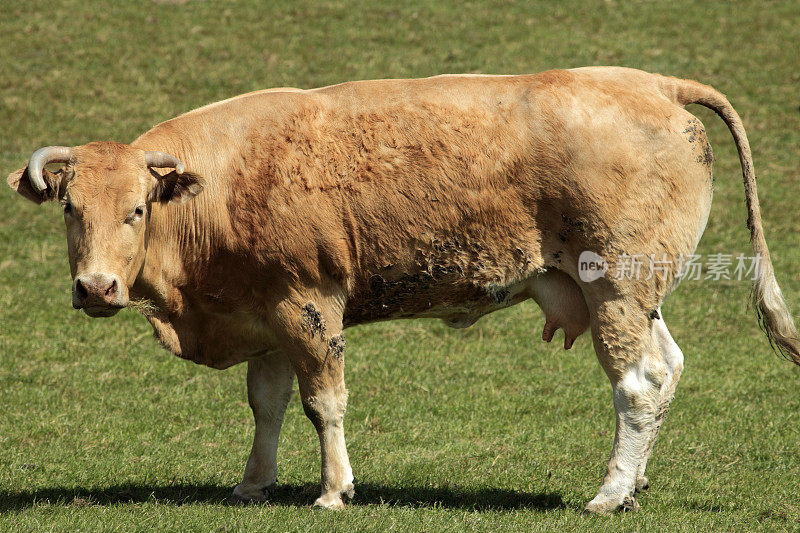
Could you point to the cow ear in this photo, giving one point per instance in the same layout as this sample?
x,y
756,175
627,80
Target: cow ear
x,y
19,182
177,188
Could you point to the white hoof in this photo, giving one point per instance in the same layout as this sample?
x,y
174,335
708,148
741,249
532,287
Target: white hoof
x,y
603,505
333,499
251,494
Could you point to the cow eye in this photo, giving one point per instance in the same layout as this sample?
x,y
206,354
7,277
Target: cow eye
x,y
136,214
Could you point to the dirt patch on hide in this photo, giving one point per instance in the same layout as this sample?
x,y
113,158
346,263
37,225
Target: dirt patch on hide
x,y
697,135
336,346
312,320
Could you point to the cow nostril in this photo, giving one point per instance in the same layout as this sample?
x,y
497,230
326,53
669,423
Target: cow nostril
x,y
81,290
112,289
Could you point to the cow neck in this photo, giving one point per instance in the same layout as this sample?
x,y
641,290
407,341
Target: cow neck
x,y
181,240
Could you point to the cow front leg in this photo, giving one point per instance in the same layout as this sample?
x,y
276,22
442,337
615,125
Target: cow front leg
x,y
315,345
269,387
633,362
325,404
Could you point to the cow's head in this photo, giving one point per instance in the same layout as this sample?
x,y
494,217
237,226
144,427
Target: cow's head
x,y
106,190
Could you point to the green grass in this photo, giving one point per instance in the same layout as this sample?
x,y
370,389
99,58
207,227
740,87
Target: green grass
x,y
487,428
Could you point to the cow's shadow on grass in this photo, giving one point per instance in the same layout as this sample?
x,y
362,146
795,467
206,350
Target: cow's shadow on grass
x,y
285,495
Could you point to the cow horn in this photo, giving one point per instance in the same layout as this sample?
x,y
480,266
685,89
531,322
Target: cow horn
x,y
43,156
163,160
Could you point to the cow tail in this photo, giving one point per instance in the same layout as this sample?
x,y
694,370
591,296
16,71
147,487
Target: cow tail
x,y
773,315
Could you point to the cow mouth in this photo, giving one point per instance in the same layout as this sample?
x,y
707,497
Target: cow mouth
x,y
99,311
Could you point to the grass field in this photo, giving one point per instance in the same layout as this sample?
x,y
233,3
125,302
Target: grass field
x,y
486,428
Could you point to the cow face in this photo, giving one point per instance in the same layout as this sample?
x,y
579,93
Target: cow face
x,y
106,191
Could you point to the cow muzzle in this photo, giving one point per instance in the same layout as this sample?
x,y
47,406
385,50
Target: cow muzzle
x,y
98,294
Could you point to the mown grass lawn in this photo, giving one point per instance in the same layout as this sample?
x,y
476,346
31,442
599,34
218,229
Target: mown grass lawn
x,y
486,428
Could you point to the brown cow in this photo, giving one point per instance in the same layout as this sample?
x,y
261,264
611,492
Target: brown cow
x,y
445,197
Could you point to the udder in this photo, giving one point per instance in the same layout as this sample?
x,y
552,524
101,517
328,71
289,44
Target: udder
x,y
563,304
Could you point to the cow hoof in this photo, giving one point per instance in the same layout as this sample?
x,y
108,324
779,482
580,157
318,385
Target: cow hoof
x,y
602,505
247,495
630,504
642,484
335,499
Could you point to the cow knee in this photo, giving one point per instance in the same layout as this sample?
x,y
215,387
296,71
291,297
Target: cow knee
x,y
637,393
326,409
272,407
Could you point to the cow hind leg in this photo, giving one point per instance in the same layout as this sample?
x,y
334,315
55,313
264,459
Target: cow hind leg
x,y
632,360
672,356
269,386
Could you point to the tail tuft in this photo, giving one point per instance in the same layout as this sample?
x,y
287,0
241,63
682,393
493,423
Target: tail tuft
x,y
774,316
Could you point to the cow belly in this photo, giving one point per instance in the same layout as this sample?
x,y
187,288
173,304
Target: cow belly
x,y
426,295
460,303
